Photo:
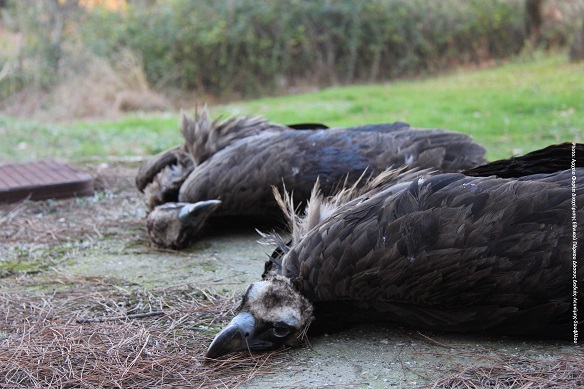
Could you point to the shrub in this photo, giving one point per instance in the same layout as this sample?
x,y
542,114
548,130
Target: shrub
x,y
249,47
252,47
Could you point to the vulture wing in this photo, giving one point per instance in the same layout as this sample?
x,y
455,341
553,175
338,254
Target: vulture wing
x,y
307,126
242,175
203,137
451,252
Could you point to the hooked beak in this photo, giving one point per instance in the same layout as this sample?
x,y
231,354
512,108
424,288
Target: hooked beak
x,y
196,213
237,336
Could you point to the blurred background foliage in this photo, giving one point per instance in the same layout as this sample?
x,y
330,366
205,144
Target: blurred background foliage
x,y
124,53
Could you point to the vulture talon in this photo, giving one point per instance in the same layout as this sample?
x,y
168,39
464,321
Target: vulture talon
x,y
149,169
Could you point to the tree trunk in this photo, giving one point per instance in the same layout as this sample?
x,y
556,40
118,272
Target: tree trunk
x,y
577,48
534,19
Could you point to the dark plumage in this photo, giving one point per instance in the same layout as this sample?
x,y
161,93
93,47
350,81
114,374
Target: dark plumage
x,y
161,177
547,160
238,162
446,252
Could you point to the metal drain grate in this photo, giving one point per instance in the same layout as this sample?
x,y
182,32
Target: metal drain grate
x,y
42,180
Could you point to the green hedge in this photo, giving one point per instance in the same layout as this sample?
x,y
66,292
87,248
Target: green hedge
x,y
253,47
250,47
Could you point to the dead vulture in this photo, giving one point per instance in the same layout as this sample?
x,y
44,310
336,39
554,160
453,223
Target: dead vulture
x,y
235,163
444,252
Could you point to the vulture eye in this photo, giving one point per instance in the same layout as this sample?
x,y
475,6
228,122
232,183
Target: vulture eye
x,y
280,330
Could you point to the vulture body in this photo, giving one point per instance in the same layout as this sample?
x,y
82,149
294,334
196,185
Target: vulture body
x,y
242,164
445,252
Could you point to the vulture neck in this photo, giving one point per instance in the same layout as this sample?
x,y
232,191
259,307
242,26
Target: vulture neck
x,y
203,137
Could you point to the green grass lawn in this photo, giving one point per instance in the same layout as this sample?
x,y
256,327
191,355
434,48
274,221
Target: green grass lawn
x,y
510,109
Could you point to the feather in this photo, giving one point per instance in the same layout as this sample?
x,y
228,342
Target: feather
x,y
203,137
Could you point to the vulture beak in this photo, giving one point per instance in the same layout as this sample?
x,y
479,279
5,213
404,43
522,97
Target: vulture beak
x,y
195,213
237,336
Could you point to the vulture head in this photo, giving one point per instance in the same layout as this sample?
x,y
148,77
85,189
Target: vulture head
x,y
173,225
272,313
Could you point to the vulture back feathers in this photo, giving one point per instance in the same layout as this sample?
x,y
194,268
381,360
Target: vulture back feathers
x,y
444,252
161,177
449,252
243,174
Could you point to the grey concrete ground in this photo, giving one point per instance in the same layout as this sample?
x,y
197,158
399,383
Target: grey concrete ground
x,y
368,356
228,257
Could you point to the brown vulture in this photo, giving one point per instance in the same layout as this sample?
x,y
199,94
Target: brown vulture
x,y
446,251
228,168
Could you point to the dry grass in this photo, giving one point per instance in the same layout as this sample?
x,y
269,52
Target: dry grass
x,y
115,208
89,87
512,371
61,330
95,335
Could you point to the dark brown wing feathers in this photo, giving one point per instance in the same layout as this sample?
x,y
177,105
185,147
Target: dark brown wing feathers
x,y
452,252
544,161
238,160
242,174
